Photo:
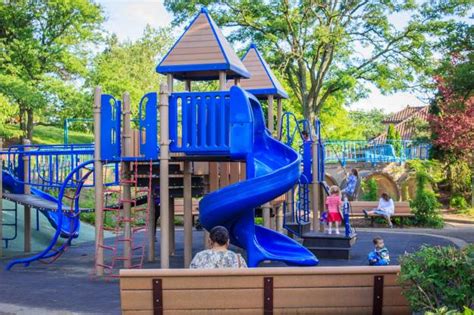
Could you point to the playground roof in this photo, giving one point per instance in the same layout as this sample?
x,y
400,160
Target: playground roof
x,y
262,82
201,53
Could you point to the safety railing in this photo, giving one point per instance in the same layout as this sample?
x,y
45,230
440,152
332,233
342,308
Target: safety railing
x,y
200,122
47,166
353,151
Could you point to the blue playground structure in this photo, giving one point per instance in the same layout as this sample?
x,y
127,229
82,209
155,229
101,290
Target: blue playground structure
x,y
222,126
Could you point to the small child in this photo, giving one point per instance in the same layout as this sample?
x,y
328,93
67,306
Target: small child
x,y
379,256
333,204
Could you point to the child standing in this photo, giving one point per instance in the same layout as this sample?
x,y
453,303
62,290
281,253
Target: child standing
x,y
333,204
379,256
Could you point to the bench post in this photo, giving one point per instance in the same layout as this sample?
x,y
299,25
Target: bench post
x,y
378,296
157,285
268,295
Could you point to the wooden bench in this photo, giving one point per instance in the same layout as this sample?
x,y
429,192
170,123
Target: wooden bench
x,y
402,209
314,290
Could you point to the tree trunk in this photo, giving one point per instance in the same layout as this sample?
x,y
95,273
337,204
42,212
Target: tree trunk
x,y
22,123
29,125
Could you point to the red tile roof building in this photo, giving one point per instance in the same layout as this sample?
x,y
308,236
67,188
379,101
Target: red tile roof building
x,y
402,121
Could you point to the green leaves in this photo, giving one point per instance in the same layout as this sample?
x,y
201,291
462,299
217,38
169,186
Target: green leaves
x,y
325,47
130,66
436,277
44,41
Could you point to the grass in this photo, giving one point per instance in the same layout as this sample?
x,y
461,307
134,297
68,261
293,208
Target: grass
x,y
467,212
48,135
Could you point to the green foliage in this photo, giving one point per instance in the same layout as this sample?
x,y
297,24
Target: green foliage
x,y
393,138
445,311
130,66
315,44
459,177
458,202
44,43
436,277
425,205
432,169
370,122
369,190
258,220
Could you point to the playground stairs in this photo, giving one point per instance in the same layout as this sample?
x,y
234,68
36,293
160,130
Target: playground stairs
x,y
176,179
297,228
333,246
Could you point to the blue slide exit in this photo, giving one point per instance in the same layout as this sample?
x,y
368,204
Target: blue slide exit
x,y
272,169
14,187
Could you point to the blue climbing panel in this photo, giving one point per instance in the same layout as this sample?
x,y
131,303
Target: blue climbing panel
x,y
110,127
199,122
148,121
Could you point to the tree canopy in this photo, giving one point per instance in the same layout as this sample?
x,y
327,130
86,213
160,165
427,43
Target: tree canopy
x,y
44,44
329,47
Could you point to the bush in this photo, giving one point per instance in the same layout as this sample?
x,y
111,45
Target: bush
x,y
459,177
425,205
436,277
458,202
369,190
445,311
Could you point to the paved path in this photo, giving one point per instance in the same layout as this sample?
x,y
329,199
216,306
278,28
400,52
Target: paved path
x,y
66,287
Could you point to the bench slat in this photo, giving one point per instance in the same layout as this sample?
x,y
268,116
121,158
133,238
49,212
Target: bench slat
x,y
232,298
388,310
255,282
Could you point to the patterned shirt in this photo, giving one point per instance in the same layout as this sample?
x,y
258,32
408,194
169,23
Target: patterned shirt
x,y
351,185
212,259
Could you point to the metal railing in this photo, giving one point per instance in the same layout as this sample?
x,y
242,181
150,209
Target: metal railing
x,y
353,151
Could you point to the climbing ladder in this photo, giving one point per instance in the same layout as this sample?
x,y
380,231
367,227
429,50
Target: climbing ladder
x,y
115,253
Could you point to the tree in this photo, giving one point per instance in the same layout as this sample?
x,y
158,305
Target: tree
x,y
130,66
369,121
317,44
394,138
452,109
41,42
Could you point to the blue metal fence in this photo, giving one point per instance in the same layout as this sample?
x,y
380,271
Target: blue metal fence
x,y
353,151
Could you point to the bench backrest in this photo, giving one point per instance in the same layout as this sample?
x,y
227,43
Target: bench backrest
x,y
401,207
316,290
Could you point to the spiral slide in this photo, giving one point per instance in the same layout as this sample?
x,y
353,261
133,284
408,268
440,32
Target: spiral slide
x,y
272,169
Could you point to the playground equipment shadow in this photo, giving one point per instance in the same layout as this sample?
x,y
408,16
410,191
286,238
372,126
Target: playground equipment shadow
x,y
67,286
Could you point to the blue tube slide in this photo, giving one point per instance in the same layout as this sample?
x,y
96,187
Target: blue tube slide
x,y
14,187
272,169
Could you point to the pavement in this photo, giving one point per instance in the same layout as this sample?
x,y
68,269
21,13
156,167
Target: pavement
x,y
68,286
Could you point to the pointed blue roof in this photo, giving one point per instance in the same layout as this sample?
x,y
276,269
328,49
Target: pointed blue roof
x,y
201,53
262,82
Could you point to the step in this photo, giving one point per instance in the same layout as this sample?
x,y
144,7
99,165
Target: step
x,y
330,252
300,229
196,181
144,168
320,239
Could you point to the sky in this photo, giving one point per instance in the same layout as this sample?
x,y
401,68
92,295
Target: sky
x,y
127,19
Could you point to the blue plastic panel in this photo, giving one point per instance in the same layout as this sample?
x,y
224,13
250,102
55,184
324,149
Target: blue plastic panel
x,y
148,121
200,122
111,110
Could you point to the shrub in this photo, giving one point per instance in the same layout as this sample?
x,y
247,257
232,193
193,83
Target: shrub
x,y
458,202
445,311
369,190
436,277
425,205
459,177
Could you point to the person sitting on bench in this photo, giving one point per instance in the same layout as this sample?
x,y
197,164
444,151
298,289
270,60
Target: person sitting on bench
x,y
351,186
385,208
218,256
